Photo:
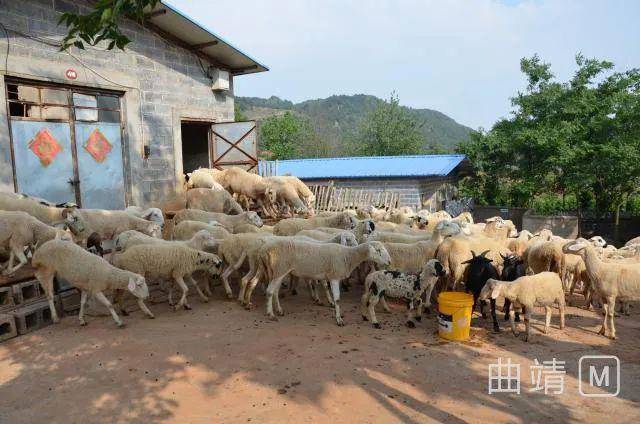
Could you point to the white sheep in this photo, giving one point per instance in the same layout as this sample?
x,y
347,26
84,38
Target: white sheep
x,y
149,214
362,230
543,289
253,186
201,240
19,231
291,226
108,224
228,221
168,261
220,201
186,229
89,273
399,285
286,195
310,260
610,280
202,178
17,202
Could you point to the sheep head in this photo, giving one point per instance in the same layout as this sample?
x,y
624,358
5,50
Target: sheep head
x,y
378,253
254,219
598,241
154,230
448,228
73,220
138,286
575,247
492,289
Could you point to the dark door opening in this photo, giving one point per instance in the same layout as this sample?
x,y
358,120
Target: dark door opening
x,y
195,145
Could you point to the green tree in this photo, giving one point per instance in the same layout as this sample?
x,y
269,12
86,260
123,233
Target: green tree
x,y
579,138
101,23
388,130
282,135
238,114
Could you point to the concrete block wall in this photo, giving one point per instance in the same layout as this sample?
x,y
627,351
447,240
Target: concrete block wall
x,y
162,83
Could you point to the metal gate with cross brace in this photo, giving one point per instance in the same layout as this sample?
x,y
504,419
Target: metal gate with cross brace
x,y
234,144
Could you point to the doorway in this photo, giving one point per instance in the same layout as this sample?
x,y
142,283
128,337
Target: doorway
x,y
195,145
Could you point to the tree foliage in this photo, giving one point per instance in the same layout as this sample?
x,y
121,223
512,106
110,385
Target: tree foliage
x,y
389,130
101,23
287,136
579,138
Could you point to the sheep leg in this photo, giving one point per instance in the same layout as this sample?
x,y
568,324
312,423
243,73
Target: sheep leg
x,y
385,305
561,310
371,309
45,277
496,326
252,285
207,285
483,304
144,308
271,289
427,299
411,312
18,251
335,291
364,304
195,285
527,324
243,285
276,299
117,301
327,293
311,284
228,271
103,299
506,308
183,299
514,330
547,319
611,300
83,300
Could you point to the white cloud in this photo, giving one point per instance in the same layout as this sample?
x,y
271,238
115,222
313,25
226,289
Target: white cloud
x,y
459,57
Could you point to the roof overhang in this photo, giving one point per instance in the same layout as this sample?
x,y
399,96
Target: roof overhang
x,y
179,28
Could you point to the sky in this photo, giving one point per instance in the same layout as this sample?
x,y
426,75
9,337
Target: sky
x,y
458,57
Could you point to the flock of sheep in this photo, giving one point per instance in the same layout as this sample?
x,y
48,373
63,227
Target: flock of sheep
x,y
399,253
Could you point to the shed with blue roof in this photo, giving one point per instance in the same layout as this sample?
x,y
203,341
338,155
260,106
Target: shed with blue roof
x,y
421,180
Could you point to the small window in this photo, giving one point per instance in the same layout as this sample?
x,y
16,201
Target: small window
x,y
88,107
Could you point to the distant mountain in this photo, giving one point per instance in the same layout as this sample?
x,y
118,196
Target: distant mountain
x,y
336,118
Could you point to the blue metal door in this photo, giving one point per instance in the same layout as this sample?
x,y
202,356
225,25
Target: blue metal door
x,y
67,144
43,156
100,165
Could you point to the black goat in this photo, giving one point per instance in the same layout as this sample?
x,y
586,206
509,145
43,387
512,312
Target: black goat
x,y
478,272
513,269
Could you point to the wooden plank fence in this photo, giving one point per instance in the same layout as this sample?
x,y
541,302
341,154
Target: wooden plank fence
x,y
335,199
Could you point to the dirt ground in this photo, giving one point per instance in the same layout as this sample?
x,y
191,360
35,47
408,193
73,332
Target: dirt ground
x,y
220,363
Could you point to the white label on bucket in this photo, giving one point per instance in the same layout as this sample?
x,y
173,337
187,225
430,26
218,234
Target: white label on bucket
x,y
445,323
463,322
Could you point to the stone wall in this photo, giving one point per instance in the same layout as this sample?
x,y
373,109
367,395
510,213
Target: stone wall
x,y
161,84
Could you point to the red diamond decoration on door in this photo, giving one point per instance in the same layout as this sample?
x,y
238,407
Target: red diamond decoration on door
x,y
45,147
98,146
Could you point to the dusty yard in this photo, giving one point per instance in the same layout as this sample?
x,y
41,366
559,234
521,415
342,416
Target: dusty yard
x,y
220,363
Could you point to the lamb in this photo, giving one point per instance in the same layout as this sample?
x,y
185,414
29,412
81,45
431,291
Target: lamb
x,y
371,212
543,289
478,272
610,281
16,202
166,260
213,201
361,231
544,256
150,214
453,251
303,191
303,259
201,240
89,273
108,224
287,196
253,186
186,229
18,231
348,237
399,285
291,226
228,221
202,178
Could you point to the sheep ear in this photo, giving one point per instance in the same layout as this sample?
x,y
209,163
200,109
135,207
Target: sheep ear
x,y
132,284
497,288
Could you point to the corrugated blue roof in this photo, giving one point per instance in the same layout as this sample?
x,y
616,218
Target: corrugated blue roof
x,y
375,166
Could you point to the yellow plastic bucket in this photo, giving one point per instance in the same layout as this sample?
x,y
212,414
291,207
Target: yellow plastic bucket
x,y
454,315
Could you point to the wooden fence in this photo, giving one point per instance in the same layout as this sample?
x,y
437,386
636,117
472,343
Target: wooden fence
x,y
331,198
